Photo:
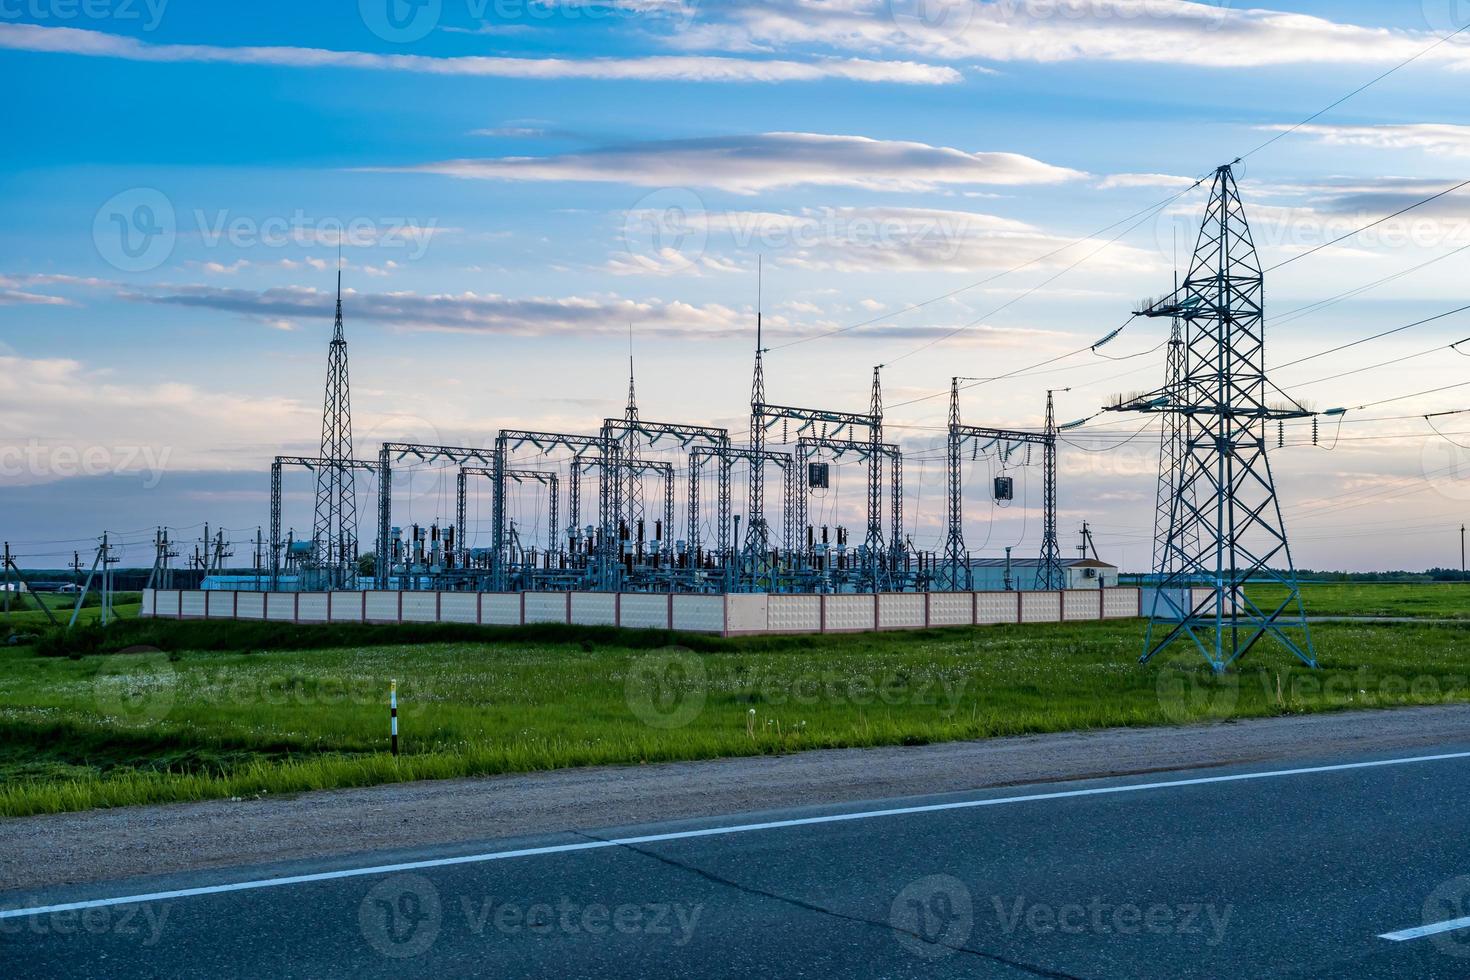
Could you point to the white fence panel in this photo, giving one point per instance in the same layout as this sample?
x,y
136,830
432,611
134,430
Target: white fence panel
x,y
311,607
345,607
148,599
251,605
500,608
699,613
382,607
280,606
794,613
166,603
746,614
996,607
191,603
219,605
901,611
1080,604
849,613
420,607
594,609
459,607
643,611
1120,603
951,609
1041,607
546,607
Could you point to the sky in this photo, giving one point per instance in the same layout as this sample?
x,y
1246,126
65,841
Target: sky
x,y
525,190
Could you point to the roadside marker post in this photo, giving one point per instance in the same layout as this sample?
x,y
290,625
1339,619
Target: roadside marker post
x,y
393,713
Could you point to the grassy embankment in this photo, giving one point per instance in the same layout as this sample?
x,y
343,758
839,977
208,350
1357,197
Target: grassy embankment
x,y
224,709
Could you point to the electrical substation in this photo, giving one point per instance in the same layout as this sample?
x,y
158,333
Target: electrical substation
x,y
633,507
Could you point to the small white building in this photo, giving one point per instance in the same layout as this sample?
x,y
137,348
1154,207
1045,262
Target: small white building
x,y
989,574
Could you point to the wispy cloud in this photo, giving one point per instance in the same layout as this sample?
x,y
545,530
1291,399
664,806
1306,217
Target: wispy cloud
x,y
686,68
1159,31
752,163
1442,139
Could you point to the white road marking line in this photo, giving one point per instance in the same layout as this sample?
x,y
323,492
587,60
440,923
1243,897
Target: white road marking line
x,y
706,832
1419,932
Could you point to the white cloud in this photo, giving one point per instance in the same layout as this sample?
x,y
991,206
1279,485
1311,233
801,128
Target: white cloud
x,y
1159,31
1113,181
686,68
1442,139
748,164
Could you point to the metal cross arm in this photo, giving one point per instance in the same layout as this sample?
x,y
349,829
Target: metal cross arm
x,y
686,435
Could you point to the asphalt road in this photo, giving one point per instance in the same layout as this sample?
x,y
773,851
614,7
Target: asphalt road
x,y
1293,870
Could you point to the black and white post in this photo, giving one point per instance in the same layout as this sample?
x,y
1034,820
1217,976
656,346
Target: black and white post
x,y
393,713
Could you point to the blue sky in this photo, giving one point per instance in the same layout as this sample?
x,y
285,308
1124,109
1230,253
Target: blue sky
x,y
519,182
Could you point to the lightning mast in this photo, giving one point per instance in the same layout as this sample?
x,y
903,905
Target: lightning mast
x,y
334,529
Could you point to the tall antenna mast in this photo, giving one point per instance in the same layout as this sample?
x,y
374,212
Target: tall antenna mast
x,y
334,525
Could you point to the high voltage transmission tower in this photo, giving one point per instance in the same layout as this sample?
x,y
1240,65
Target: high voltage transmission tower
x,y
334,528
1049,571
1225,525
1171,458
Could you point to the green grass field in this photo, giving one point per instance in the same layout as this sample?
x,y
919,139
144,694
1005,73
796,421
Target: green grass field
x,y
255,713
1438,600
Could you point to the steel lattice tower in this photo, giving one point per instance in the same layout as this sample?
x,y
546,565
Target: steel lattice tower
x,y
1225,528
1049,571
632,475
334,529
877,566
954,573
757,537
1171,458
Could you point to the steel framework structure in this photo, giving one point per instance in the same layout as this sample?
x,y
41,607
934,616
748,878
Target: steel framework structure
x,y
807,446
579,446
954,573
334,524
317,464
383,570
1226,495
727,456
546,478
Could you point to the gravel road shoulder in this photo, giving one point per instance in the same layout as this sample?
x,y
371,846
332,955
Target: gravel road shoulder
x,y
106,845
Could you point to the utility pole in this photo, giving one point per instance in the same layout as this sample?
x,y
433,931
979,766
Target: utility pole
x,y
7,579
1049,573
1462,552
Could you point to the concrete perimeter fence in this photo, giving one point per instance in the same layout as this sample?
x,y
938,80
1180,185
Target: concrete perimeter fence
x,y
726,615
